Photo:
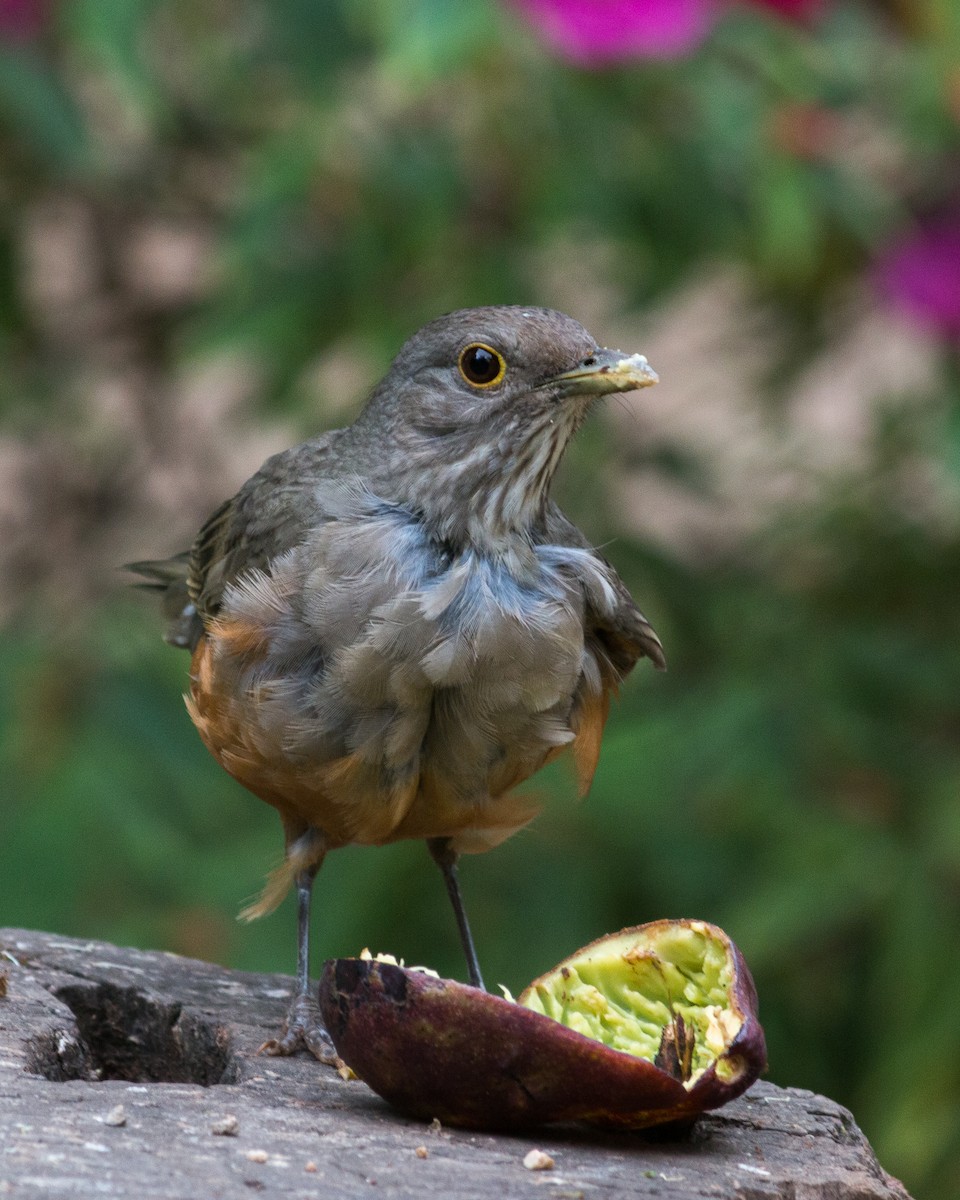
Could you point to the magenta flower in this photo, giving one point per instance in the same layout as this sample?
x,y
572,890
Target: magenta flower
x,y
920,274
593,32
21,20
793,10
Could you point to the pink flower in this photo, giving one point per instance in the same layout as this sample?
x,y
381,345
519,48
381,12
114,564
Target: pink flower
x,y
794,10
21,20
920,274
593,32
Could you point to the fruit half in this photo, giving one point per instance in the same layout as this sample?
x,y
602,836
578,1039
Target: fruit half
x,y
648,1026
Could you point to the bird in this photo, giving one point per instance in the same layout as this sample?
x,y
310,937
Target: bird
x,y
392,625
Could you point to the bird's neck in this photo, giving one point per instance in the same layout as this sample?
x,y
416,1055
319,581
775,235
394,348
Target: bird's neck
x,y
488,493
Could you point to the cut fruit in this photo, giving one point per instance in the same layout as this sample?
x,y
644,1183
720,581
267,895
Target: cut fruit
x,y
652,1025
659,992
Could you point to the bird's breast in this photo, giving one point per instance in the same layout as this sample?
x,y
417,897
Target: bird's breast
x,y
384,687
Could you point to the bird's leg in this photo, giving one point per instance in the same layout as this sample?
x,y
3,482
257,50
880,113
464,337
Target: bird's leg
x,y
303,1028
445,857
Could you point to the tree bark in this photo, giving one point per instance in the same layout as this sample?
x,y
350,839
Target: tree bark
x,y
135,1074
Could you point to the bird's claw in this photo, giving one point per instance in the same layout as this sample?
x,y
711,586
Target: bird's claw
x,y
303,1030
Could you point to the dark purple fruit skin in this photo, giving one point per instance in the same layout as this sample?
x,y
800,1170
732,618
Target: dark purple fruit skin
x,y
435,1048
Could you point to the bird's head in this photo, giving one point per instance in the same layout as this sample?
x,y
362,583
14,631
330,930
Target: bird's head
x,y
473,417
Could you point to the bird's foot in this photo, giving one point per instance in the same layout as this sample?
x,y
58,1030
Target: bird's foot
x,y
303,1030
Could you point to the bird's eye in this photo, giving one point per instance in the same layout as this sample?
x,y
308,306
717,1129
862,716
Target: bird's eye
x,y
481,365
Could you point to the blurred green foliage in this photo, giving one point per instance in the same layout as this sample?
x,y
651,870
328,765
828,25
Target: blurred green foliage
x,y
363,167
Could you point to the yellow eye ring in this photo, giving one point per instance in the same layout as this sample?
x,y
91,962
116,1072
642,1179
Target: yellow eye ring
x,y
481,365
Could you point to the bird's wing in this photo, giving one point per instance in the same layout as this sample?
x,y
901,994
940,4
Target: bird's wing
x,y
271,514
615,637
624,632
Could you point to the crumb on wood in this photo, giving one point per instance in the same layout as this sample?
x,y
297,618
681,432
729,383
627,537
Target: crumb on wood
x,y
538,1160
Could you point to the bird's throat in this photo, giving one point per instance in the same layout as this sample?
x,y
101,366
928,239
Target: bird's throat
x,y
488,492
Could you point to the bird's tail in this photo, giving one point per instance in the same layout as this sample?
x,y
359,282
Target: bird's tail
x,y
160,574
306,853
168,576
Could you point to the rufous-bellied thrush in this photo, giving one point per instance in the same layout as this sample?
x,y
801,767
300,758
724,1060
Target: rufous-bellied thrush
x,y
392,625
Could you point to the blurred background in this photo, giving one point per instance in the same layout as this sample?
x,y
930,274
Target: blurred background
x,y
217,223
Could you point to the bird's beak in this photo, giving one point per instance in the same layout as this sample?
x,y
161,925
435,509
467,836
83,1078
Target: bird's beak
x,y
606,371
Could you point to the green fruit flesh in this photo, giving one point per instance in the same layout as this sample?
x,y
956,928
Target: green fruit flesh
x,y
663,996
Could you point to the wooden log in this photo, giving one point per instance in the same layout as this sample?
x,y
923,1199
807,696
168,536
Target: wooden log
x,y
134,1074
